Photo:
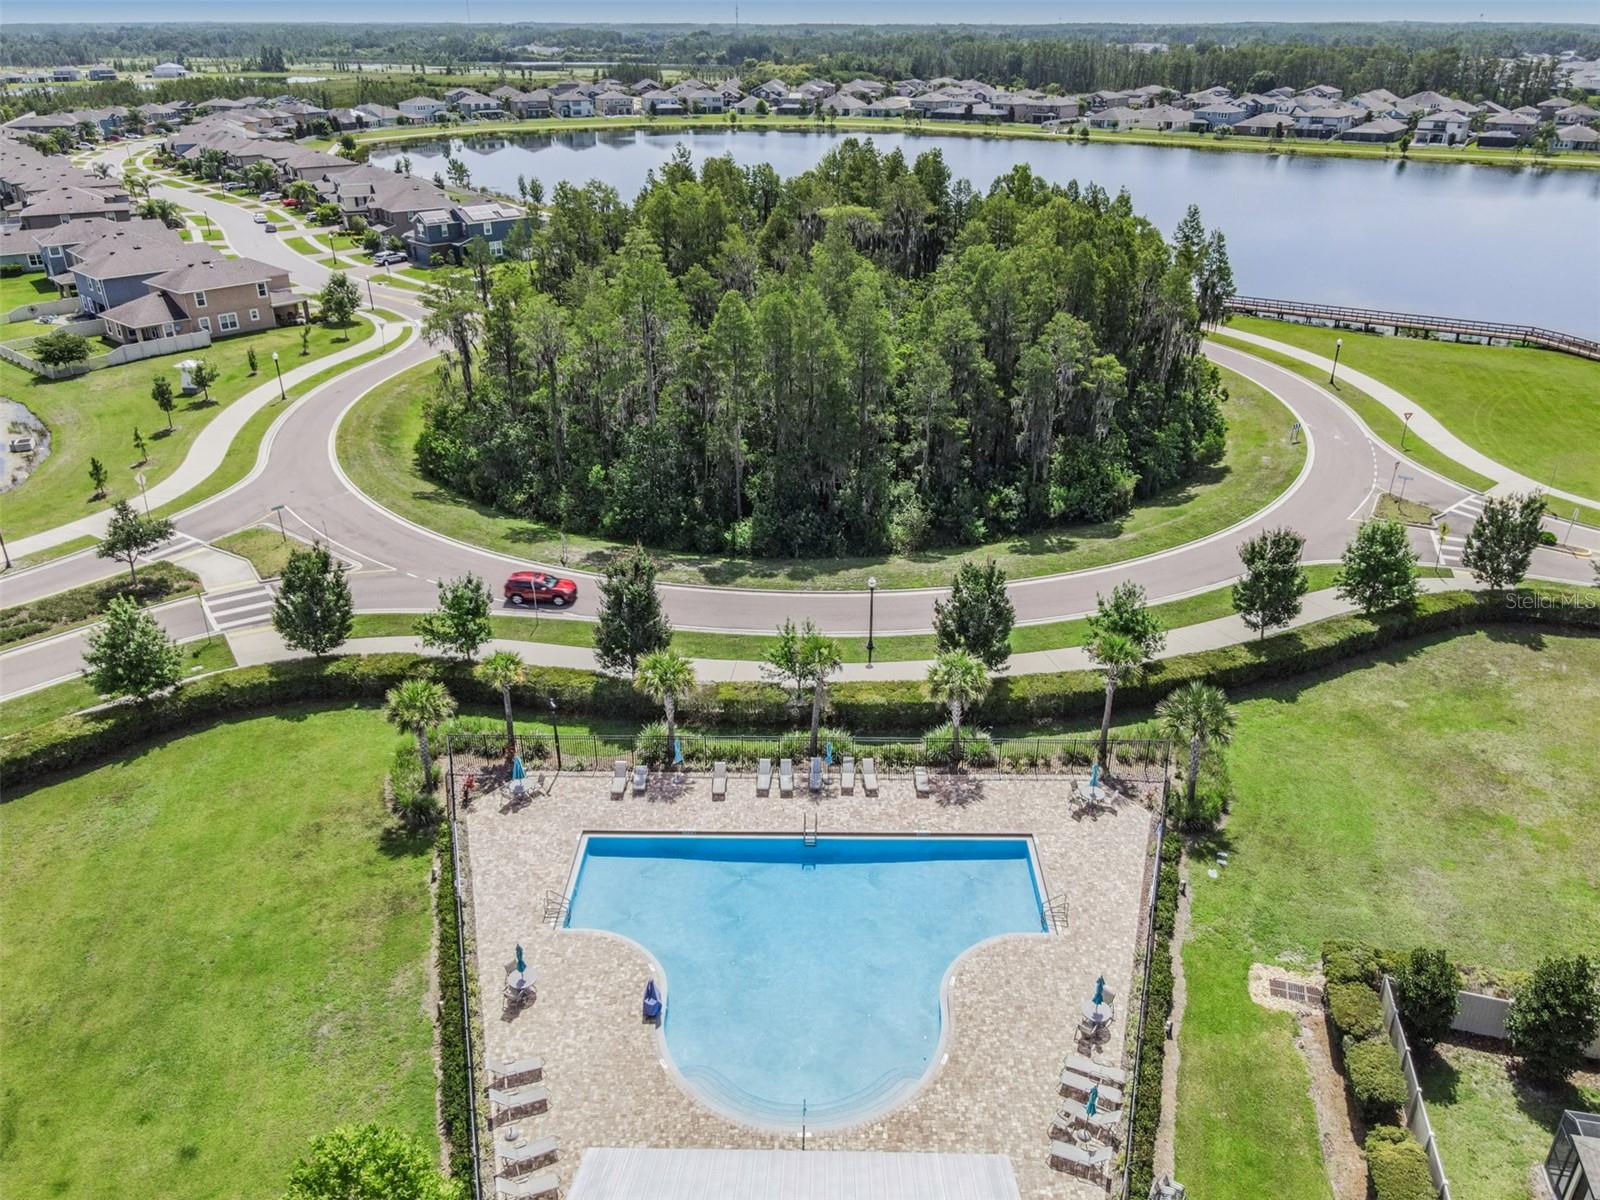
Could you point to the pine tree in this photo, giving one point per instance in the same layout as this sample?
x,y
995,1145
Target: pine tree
x,y
978,615
631,623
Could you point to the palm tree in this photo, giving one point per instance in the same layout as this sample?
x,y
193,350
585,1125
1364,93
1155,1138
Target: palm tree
x,y
1121,658
819,658
417,705
665,676
956,679
1198,713
503,669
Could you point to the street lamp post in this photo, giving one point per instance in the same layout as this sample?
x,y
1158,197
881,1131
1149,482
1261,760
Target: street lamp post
x,y
7,554
557,728
279,370
1338,345
872,598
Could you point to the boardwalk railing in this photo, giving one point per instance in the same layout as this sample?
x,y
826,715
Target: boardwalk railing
x,y
1379,320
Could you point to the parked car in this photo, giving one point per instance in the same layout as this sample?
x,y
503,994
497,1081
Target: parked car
x,y
269,227
271,196
388,258
261,218
536,587
291,202
233,185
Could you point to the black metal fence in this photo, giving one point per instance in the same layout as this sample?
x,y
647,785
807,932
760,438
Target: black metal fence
x,y
1132,1105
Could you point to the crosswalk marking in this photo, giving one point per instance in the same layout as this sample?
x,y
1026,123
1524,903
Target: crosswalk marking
x,y
239,608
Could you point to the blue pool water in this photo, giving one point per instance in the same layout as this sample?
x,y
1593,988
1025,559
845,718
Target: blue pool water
x,y
803,982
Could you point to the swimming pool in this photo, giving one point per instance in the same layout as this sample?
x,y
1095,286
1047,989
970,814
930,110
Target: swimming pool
x,y
803,983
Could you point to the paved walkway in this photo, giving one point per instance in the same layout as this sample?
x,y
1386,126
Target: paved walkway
x,y
210,447
1424,424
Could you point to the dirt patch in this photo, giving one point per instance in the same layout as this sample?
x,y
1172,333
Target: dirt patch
x,y
1338,1128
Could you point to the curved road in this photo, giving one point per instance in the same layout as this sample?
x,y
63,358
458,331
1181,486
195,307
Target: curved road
x,y
400,562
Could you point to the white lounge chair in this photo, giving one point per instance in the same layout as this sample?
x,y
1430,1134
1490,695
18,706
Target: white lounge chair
x,y
547,1183
847,775
763,777
641,779
815,779
1083,1065
719,781
619,778
919,776
785,777
521,1156
1071,1081
1092,1159
518,1101
522,1069
1074,1115
869,776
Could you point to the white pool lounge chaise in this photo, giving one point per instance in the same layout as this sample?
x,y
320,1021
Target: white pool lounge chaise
x,y
869,776
518,1101
763,776
1073,1114
785,777
521,1156
719,781
847,775
815,780
919,776
503,1073
1071,1081
1083,1065
547,1183
641,779
1093,1158
619,778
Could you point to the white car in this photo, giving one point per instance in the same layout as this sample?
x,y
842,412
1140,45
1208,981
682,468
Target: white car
x,y
261,218
270,196
387,258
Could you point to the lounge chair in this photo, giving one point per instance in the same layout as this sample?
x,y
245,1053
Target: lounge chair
x,y
847,775
869,776
1071,1081
641,779
546,1184
522,1069
521,1156
815,781
919,776
719,781
619,778
1092,1158
1084,1065
1104,1123
785,777
763,777
518,1102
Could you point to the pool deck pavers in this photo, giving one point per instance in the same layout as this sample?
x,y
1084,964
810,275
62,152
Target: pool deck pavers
x,y
1014,1002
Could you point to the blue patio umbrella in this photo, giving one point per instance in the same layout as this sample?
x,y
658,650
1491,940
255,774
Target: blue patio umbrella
x,y
1094,1100
677,751
517,771
1100,991
827,754
521,966
1094,775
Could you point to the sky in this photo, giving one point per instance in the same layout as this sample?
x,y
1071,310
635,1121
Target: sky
x,y
837,11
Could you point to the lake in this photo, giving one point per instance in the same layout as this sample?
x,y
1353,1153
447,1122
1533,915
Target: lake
x,y
1493,243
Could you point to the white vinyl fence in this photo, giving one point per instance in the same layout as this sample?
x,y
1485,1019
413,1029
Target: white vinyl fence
x,y
132,352
43,308
1416,1112
1485,1016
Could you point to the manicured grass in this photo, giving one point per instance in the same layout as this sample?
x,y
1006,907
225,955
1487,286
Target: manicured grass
x,y
1533,410
267,549
1397,508
376,438
1383,423
158,582
94,415
59,699
26,289
207,963
1424,795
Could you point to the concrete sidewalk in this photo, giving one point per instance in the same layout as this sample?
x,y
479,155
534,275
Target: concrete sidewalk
x,y
210,447
1424,424
262,645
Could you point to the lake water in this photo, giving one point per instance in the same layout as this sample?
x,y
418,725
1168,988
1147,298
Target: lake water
x,y
1494,243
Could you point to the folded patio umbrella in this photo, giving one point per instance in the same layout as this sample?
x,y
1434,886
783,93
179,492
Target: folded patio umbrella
x,y
517,771
1094,775
1094,1100
521,966
1100,991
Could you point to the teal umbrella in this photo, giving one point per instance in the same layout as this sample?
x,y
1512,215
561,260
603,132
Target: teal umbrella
x,y
1094,775
1100,991
521,966
516,768
1094,1100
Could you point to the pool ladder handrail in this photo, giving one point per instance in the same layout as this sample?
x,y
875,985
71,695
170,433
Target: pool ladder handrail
x,y
808,832
556,907
1055,913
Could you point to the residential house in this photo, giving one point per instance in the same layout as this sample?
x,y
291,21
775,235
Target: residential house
x,y
66,74
109,272
1324,92
572,104
1378,129
377,116
1220,112
615,104
1577,114
1118,117
1266,124
344,119
100,72
1508,125
420,110
59,246
219,296
888,106
816,90
58,206
1327,122
771,91
1038,110
843,104
476,105
864,89
645,85
909,87
1576,137
1104,99
705,100
1549,108
168,70
661,104
1443,128
442,234
504,93
526,105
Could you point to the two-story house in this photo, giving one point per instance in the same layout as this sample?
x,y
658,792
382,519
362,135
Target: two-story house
x,y
419,110
1443,128
219,296
442,234
572,104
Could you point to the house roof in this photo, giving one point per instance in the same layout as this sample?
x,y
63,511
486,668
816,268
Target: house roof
x,y
422,100
143,257
214,273
152,308
1577,133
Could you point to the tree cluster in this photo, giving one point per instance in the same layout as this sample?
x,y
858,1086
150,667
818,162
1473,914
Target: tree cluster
x,y
867,356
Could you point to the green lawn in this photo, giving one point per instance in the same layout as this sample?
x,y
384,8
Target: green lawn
x,y
59,699
376,438
1533,410
1427,794
26,289
267,549
206,963
94,415
158,582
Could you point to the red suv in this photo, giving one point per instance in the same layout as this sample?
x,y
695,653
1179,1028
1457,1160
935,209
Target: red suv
x,y
535,587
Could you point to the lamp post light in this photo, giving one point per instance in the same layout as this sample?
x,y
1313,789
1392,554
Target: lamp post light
x,y
7,554
872,598
371,303
557,728
1338,345
279,370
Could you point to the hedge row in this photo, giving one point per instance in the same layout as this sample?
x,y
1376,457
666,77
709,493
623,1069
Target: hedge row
x,y
1371,1067
1398,1166
864,708
1158,1008
455,1082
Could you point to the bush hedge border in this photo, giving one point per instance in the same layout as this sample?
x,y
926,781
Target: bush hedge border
x,y
1153,1034
862,707
454,1071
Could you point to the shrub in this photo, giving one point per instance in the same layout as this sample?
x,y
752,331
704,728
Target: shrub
x,y
1398,1166
1427,987
977,747
1345,961
454,1084
1153,1040
1554,1015
410,797
1356,1010
1373,1070
1546,538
